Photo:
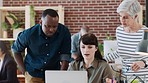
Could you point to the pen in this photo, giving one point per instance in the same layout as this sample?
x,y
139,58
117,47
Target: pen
x,y
113,79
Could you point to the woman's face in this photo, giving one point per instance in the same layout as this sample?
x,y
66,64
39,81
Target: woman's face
x,y
125,19
87,51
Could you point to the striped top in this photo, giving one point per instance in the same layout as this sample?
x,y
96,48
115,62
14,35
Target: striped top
x,y
127,43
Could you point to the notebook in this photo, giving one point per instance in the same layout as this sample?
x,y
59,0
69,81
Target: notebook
x,y
65,76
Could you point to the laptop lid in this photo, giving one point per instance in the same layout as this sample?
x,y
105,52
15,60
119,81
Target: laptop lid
x,y
65,76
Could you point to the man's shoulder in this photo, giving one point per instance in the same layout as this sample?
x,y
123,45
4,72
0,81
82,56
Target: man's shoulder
x,y
32,29
62,28
75,35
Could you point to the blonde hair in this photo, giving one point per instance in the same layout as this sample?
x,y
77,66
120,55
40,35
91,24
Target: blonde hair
x,y
132,7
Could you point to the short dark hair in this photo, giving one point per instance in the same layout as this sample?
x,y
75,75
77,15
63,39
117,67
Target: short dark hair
x,y
3,47
90,39
50,12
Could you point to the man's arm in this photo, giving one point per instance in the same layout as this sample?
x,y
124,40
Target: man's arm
x,y
19,60
65,50
74,46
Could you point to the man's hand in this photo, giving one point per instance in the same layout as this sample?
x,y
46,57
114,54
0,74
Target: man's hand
x,y
64,65
108,80
19,60
137,65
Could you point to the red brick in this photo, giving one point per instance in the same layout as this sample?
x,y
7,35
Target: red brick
x,y
100,15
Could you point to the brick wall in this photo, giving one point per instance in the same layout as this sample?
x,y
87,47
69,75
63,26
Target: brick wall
x,y
99,15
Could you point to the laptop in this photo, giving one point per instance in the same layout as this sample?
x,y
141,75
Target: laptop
x,y
65,76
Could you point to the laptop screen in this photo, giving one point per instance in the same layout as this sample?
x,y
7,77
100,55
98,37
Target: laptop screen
x,y
65,76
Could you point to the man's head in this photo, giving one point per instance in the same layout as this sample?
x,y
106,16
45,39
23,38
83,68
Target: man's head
x,y
84,30
49,22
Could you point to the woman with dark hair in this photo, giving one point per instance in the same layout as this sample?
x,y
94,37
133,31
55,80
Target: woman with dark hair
x,y
8,66
90,60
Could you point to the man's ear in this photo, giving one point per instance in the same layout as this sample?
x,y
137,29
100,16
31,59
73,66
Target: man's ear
x,y
40,22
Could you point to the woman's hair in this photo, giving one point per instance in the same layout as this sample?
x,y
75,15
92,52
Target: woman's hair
x,y
132,7
90,39
3,47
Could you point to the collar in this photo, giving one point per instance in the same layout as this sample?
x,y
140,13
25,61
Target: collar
x,y
93,64
40,29
42,33
79,35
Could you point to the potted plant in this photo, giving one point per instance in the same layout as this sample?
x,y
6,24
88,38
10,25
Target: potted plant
x,y
100,46
5,26
109,45
15,23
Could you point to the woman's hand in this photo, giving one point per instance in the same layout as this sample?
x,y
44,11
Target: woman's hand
x,y
137,66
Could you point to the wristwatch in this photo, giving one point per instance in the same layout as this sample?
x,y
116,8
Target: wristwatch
x,y
145,63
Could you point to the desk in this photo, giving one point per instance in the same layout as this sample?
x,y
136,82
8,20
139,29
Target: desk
x,y
127,77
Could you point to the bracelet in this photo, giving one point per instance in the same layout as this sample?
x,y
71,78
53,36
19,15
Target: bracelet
x,y
144,63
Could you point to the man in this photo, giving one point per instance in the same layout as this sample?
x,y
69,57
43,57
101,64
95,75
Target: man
x,y
75,41
48,45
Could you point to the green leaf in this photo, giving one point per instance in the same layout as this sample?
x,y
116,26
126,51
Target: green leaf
x,y
100,46
12,16
5,26
17,23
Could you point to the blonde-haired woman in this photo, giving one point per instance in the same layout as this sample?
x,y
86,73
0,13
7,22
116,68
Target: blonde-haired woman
x,y
128,35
